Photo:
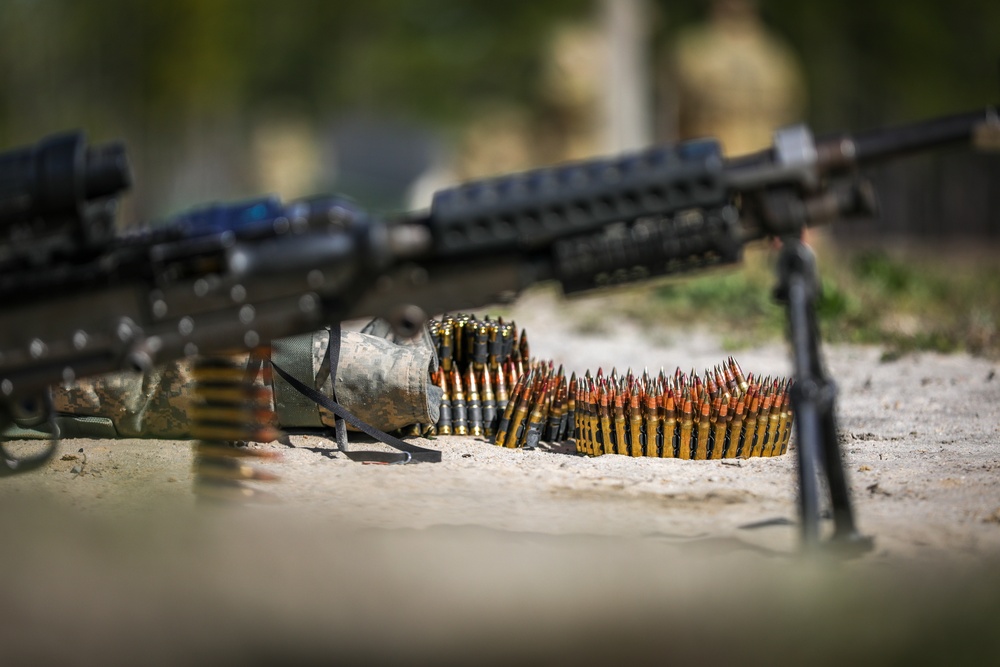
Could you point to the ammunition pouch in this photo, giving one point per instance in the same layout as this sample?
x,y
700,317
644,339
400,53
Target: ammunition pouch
x,y
383,383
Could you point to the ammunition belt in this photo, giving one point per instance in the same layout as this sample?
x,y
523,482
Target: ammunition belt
x,y
479,361
721,413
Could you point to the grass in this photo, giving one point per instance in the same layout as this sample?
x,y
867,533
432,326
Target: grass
x,y
903,300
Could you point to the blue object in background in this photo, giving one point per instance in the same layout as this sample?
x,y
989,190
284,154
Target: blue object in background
x,y
239,217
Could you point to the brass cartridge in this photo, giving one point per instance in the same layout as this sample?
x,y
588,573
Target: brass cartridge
x,y
500,389
447,350
755,429
473,406
571,408
444,420
651,424
703,429
504,422
636,445
621,446
736,430
669,438
719,429
515,432
741,380
536,421
459,421
489,405
687,422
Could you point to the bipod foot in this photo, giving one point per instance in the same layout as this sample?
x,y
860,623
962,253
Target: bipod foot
x,y
851,544
844,545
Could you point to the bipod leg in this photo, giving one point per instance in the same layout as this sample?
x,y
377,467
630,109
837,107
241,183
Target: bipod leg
x,y
813,397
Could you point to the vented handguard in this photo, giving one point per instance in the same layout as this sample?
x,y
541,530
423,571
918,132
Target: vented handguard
x,y
533,208
649,247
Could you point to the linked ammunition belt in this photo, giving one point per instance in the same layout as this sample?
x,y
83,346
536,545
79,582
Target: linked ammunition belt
x,y
479,360
721,413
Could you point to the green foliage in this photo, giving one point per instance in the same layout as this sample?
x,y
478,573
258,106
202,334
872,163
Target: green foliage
x,y
736,303
169,61
162,62
739,298
944,302
903,301
834,303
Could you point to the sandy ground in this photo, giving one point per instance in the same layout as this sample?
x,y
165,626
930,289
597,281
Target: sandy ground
x,y
497,555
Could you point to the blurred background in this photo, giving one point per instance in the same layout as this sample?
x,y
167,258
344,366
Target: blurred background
x,y
386,100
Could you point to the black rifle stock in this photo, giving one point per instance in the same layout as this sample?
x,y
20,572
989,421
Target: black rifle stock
x,y
78,300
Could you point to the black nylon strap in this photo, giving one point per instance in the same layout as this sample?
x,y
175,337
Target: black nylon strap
x,y
410,453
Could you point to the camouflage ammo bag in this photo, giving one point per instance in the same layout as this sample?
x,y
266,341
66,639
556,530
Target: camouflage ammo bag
x,y
385,384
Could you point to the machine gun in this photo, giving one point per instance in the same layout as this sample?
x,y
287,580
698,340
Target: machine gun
x,y
78,299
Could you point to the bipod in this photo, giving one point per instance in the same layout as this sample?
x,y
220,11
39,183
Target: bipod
x,y
813,396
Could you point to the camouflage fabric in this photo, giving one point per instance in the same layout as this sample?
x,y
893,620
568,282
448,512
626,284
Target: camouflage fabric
x,y
383,383
150,405
382,329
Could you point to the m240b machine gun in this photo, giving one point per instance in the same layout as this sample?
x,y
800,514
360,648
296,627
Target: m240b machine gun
x,y
77,299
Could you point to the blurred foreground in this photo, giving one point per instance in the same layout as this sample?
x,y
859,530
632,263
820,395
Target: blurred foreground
x,y
248,588
499,555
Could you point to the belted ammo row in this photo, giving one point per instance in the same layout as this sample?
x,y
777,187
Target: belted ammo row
x,y
479,361
721,413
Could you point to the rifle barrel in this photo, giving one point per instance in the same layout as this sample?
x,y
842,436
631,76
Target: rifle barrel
x,y
875,145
